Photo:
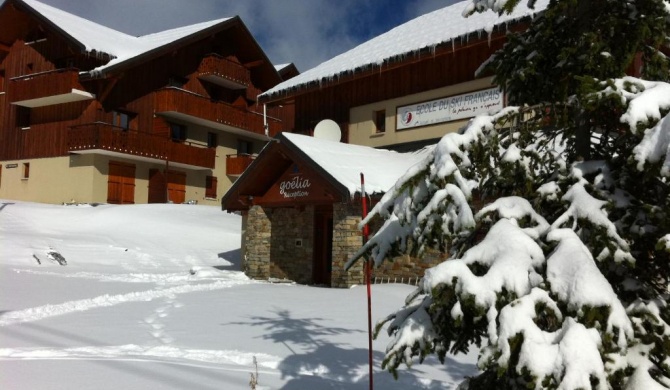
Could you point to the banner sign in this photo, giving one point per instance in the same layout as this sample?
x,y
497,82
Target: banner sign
x,y
448,109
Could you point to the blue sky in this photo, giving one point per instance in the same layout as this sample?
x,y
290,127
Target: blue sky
x,y
305,32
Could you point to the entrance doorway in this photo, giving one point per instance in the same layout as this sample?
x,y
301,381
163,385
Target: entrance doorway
x,y
121,183
323,245
176,186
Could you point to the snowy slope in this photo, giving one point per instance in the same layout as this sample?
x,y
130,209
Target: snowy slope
x,y
151,297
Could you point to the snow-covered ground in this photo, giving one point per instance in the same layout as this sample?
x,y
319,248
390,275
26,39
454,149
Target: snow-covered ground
x,y
152,298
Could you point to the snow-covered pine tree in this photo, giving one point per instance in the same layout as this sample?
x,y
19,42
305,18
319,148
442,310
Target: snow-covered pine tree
x,y
556,211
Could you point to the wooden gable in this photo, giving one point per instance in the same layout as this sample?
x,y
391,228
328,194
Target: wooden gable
x,y
283,176
298,185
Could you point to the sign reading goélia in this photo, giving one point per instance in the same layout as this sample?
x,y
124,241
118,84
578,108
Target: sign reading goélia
x,y
449,109
295,187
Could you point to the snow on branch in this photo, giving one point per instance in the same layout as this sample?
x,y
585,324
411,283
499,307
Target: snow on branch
x,y
655,145
647,113
586,211
506,260
568,356
577,281
429,203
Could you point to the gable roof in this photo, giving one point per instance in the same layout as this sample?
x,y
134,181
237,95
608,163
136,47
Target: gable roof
x,y
122,48
441,27
339,164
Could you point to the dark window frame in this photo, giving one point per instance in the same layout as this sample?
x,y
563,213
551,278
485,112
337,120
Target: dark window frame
x,y
210,187
25,175
212,140
178,132
379,118
245,147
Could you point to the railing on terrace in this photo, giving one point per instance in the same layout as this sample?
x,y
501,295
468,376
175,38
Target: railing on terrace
x,y
192,104
218,66
237,163
105,136
43,84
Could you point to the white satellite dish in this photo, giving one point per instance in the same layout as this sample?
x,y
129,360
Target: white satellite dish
x,y
328,129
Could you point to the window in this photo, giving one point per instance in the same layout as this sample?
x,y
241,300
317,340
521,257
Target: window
x,y
121,119
210,187
212,140
65,63
23,117
177,132
244,147
380,121
26,171
176,81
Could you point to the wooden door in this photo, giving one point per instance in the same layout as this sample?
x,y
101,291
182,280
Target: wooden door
x,y
157,186
323,245
176,187
121,183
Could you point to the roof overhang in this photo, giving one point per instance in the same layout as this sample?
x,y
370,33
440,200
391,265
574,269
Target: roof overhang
x,y
269,167
73,96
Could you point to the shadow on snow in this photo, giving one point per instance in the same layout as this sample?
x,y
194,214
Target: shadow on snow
x,y
317,362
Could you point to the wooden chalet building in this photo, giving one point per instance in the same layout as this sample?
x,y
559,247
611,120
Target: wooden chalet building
x,y
301,205
407,87
90,114
402,90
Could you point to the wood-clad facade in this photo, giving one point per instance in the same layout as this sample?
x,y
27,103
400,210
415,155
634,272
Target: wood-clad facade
x,y
355,98
179,109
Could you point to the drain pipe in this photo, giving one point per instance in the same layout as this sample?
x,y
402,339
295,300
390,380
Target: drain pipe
x,y
265,120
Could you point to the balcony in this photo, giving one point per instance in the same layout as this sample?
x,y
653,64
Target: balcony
x,y
103,138
224,72
47,88
237,163
190,107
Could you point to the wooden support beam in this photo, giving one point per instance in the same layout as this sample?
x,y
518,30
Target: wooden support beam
x,y
253,64
108,87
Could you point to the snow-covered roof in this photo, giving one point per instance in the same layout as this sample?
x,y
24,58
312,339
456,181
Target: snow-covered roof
x,y
345,162
97,38
282,66
427,31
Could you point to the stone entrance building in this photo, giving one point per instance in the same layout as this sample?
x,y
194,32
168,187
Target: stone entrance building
x,y
300,202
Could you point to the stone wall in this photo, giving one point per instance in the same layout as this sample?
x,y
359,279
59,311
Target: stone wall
x,y
347,239
256,260
292,244
406,269
279,243
403,269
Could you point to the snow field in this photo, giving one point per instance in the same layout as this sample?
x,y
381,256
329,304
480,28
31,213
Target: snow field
x,y
151,297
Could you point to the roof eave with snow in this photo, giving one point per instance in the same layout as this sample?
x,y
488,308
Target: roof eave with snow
x,y
408,40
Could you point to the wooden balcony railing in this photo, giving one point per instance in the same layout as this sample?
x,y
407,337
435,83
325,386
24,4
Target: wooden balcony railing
x,y
237,163
199,107
214,67
252,93
45,84
107,137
